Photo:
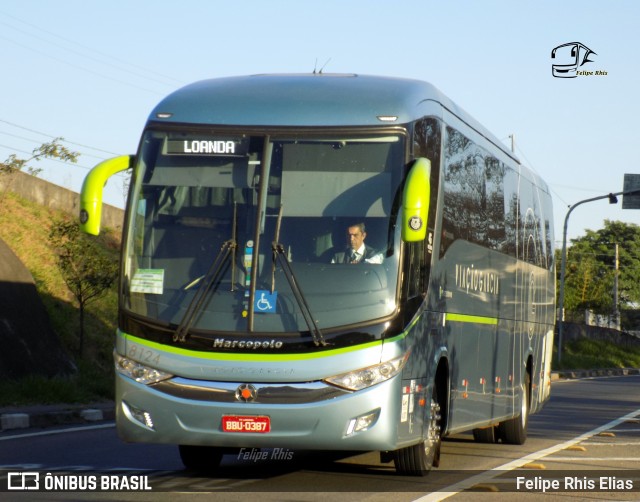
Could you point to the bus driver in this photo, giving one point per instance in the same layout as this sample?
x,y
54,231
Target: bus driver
x,y
357,251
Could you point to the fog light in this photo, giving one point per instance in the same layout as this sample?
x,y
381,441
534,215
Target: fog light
x,y
363,422
142,416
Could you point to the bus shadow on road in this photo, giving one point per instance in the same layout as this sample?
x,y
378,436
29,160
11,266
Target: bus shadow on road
x,y
307,471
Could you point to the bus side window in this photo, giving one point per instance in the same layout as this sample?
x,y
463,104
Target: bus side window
x,y
417,265
474,204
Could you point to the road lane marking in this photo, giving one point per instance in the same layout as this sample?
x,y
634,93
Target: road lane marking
x,y
487,476
594,459
59,431
612,443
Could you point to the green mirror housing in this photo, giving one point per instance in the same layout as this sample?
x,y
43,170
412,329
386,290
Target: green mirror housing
x,y
415,201
91,194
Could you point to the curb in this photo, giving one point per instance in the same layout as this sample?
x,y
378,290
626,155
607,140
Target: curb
x,y
577,374
51,415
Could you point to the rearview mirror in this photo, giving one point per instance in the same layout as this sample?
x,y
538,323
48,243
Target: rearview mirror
x,y
415,201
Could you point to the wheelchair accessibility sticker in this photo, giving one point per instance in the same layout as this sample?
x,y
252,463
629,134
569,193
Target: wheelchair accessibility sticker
x,y
265,301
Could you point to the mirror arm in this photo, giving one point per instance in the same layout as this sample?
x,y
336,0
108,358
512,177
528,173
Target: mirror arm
x,y
92,188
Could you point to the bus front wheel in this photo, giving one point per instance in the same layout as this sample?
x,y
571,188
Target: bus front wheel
x,y
486,435
417,460
204,459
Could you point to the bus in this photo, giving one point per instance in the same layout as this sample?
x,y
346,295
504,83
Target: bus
x,y
239,328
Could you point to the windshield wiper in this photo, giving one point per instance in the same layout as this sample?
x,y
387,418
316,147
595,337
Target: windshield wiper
x,y
280,255
207,281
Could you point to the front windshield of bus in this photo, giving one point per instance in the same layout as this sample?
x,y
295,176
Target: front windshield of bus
x,y
202,197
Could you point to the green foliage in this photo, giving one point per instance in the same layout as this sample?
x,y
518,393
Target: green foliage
x,y
25,226
51,150
590,269
594,354
86,269
88,385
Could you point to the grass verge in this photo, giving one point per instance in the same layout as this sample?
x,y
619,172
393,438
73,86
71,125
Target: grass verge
x,y
88,385
586,354
25,227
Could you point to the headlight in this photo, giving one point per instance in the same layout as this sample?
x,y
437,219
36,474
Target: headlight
x,y
139,372
366,377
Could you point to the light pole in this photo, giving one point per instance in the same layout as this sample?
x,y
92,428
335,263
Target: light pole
x,y
613,199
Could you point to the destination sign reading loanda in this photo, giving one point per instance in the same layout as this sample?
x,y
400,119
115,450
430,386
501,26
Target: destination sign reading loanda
x,y
234,147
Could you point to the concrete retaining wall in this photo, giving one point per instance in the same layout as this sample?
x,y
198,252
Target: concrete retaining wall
x,y
573,331
55,197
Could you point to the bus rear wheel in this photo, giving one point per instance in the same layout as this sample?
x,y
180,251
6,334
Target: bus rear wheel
x,y
514,431
417,460
205,459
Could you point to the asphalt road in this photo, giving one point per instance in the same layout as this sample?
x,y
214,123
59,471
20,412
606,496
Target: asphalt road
x,y
589,429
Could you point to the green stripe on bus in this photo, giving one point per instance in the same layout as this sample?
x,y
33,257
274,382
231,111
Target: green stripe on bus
x,y
224,356
471,318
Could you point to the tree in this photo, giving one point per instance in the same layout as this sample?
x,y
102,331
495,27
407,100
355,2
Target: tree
x,y
85,267
51,150
590,271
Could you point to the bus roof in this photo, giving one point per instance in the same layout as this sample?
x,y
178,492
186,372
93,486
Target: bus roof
x,y
308,100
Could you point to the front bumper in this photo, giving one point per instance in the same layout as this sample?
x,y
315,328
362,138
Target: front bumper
x,y
302,416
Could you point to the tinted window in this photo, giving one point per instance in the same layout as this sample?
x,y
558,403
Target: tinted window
x,y
474,204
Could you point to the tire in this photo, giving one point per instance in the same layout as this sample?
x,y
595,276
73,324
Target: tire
x,y
486,435
514,431
417,460
205,459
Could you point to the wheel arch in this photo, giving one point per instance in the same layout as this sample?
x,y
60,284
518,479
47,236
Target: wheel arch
x,y
529,371
442,385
